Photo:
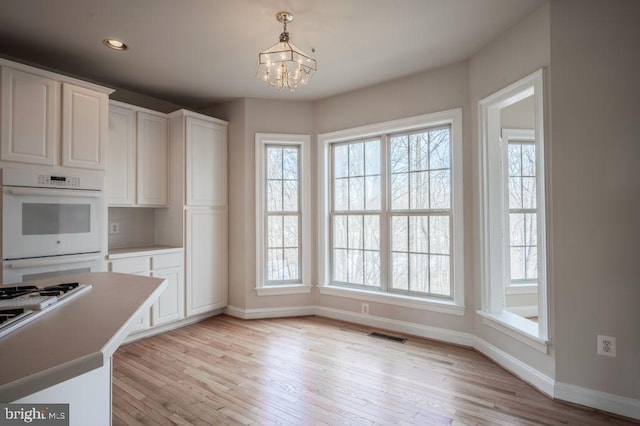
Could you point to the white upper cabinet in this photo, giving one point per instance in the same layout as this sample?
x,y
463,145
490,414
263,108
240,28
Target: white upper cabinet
x,y
30,117
38,106
121,159
152,159
84,127
206,163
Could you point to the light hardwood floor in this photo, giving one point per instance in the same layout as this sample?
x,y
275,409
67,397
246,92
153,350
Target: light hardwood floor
x,y
315,371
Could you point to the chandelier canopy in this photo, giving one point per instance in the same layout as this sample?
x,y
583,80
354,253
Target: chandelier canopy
x,y
283,64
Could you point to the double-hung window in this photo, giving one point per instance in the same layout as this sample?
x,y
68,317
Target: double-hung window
x,y
282,214
393,211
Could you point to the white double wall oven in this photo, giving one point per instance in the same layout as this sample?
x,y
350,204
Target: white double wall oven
x,y
51,225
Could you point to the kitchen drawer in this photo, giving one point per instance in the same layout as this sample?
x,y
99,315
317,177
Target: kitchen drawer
x,y
168,260
134,265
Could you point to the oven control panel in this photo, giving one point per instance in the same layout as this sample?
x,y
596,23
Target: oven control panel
x,y
59,181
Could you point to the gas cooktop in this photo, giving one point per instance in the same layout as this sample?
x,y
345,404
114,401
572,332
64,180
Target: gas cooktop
x,y
19,305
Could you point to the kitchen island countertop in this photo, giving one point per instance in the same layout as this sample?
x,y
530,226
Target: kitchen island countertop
x,y
76,337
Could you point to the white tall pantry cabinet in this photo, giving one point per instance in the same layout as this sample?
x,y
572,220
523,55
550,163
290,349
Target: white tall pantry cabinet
x,y
197,212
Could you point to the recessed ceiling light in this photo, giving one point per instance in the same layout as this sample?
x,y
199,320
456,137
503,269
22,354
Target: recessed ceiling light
x,y
115,44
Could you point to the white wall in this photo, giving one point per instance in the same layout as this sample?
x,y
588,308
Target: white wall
x,y
595,170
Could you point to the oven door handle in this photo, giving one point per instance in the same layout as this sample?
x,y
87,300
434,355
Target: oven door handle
x,y
34,263
54,192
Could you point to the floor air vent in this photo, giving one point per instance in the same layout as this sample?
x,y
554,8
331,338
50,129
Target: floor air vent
x,y
387,337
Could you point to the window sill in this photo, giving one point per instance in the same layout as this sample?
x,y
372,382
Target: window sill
x,y
281,290
521,289
519,328
434,305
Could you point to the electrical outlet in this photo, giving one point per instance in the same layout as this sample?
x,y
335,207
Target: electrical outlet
x,y
114,228
607,346
365,309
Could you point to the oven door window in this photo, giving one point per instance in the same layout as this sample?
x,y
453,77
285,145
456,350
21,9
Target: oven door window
x,y
53,219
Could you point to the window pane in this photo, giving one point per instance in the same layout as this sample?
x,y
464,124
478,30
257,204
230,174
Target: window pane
x,y
290,234
528,160
439,235
400,191
515,160
372,157
419,196
440,187
274,231
372,184
400,271
531,262
290,196
355,236
419,272
531,229
419,234
355,270
274,265
515,193
290,163
419,151
372,268
517,263
400,233
399,154
341,161
440,151
274,163
440,275
371,232
340,265
290,265
529,193
356,159
274,195
340,231
516,226
356,193
341,194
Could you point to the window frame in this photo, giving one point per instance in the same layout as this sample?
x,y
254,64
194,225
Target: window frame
x,y
452,118
494,214
303,285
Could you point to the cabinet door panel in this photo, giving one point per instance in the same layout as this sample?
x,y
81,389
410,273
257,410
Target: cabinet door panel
x,y
152,159
206,260
206,169
121,157
84,127
30,117
170,305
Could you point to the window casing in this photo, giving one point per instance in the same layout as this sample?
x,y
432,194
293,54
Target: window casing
x,y
282,214
392,197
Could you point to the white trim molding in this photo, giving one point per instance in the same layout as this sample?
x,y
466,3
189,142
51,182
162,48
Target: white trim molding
x,y
282,290
517,327
621,405
260,313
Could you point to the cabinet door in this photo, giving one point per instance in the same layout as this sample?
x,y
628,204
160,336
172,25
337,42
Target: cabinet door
x,y
152,159
136,266
170,305
30,117
206,163
206,269
121,157
85,115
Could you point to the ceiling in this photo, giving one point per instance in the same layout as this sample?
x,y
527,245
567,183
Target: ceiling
x,y
196,53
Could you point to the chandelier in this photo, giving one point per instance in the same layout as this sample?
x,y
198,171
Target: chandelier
x,y
283,64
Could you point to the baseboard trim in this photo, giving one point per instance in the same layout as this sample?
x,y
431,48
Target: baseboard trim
x,y
296,311
621,405
170,326
535,378
442,334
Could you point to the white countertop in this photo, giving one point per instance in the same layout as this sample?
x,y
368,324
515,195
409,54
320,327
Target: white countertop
x,y
76,337
120,253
